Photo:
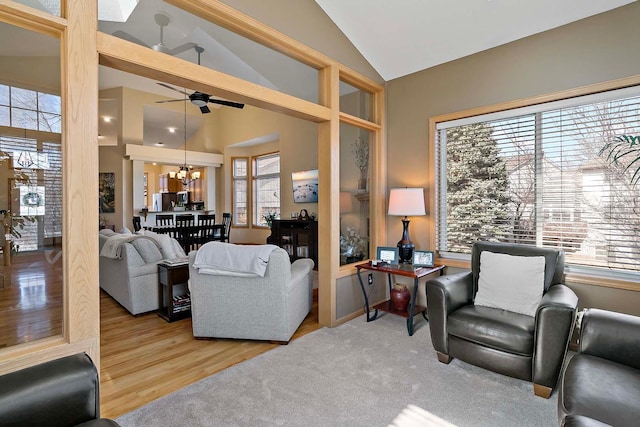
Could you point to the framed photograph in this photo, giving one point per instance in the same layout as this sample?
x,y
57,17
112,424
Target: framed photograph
x,y
388,254
422,259
305,186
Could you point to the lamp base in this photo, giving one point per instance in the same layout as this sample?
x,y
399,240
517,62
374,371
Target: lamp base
x,y
405,246
405,251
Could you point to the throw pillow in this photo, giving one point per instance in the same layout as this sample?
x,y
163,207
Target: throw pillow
x,y
166,244
147,249
125,230
508,282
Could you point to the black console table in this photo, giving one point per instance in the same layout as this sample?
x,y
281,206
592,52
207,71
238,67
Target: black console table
x,y
298,237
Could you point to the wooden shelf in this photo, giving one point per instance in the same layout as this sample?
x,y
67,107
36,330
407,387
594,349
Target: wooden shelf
x,y
362,197
389,308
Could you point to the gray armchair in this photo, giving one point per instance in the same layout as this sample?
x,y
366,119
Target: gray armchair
x,y
267,308
601,383
517,345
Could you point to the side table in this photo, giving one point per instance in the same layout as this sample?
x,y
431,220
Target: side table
x,y
173,305
406,270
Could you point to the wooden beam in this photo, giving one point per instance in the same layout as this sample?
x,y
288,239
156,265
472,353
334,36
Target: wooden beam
x,y
328,205
132,58
227,17
80,178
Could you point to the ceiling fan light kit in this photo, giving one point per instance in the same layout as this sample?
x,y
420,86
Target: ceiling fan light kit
x,y
162,20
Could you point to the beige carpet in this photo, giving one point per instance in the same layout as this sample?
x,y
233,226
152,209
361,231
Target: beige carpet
x,y
358,374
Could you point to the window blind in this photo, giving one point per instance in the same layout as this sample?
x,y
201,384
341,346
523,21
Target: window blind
x,y
536,176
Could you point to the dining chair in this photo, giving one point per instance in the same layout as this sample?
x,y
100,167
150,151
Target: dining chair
x,y
186,232
206,228
223,234
164,219
137,224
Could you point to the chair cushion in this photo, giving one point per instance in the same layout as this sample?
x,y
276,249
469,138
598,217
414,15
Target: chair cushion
x,y
513,283
499,329
600,389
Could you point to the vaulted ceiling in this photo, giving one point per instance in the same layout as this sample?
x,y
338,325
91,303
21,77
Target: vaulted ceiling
x,y
402,37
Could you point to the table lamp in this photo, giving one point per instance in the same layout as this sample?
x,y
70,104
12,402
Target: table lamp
x,y
406,202
346,206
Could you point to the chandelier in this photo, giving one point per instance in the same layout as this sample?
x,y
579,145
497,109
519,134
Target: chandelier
x,y
185,174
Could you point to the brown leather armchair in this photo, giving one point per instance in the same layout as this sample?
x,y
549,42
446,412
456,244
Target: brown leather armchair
x,y
520,346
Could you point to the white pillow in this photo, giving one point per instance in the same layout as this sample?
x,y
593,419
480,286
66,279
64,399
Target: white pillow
x,y
125,230
508,282
166,244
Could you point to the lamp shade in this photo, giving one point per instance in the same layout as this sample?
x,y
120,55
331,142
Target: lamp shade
x,y
406,201
346,205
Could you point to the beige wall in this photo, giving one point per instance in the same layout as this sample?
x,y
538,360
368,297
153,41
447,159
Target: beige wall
x,y
596,49
129,128
296,141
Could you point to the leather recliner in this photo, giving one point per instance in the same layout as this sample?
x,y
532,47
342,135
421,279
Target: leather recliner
x,y
59,393
601,383
529,348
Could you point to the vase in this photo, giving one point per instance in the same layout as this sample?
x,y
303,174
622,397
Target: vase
x,y
400,297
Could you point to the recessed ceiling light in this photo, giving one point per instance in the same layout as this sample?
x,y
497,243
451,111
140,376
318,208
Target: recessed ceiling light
x,y
172,129
107,119
160,144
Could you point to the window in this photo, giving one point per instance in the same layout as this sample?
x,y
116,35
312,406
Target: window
x,y
28,109
536,175
264,188
240,171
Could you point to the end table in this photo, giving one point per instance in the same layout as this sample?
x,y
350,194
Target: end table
x,y
406,270
173,306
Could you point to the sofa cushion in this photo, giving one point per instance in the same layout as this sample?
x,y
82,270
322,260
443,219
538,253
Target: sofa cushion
x,y
513,283
495,328
602,390
147,249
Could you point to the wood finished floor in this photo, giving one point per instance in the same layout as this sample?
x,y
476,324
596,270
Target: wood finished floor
x,y
144,357
31,297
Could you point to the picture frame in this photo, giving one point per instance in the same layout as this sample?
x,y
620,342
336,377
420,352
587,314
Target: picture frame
x,y
388,254
422,259
305,186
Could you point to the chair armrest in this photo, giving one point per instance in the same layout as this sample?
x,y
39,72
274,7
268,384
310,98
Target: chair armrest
x,y
555,319
65,390
612,336
446,294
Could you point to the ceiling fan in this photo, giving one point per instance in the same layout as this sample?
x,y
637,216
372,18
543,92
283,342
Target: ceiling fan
x,y
162,20
199,99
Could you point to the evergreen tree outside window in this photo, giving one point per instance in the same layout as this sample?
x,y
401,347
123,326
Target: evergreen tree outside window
x,y
534,176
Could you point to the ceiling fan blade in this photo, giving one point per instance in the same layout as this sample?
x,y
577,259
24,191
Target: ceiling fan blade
x,y
182,48
126,36
205,109
227,103
173,88
170,100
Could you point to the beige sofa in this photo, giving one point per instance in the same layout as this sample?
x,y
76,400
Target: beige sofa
x,y
257,308
132,279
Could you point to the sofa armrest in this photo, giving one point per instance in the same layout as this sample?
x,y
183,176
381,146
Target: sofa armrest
x,y
446,294
300,268
61,392
612,336
555,319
